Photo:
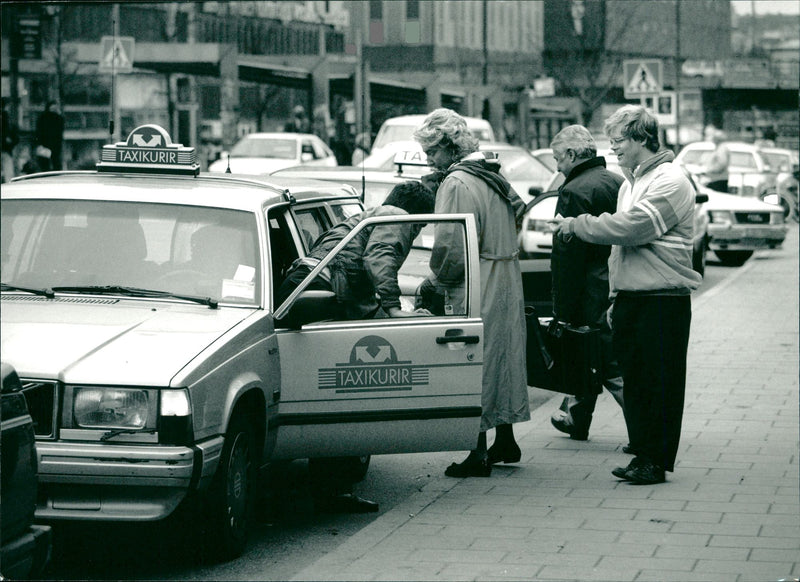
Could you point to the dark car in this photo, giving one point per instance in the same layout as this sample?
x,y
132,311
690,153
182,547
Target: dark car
x,y
25,546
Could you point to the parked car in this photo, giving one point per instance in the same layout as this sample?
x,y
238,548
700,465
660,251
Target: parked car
x,y
373,186
402,129
26,546
139,310
749,172
545,155
527,175
738,226
786,164
536,240
263,153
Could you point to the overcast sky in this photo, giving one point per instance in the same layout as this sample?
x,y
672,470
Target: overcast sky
x,y
766,6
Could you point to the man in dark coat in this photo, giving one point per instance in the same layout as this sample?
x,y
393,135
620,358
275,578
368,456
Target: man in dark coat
x,y
580,269
50,133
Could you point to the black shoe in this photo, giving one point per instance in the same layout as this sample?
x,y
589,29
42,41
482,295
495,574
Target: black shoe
x,y
346,503
504,454
646,473
471,467
622,472
563,424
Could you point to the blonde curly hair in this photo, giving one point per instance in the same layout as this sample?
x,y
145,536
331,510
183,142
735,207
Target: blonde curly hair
x,y
446,128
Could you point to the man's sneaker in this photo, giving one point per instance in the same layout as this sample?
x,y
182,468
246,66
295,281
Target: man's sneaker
x,y
646,473
565,425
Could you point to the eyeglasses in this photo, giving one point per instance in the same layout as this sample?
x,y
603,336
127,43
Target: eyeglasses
x,y
615,141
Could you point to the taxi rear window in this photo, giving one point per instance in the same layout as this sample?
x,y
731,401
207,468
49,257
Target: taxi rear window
x,y
209,252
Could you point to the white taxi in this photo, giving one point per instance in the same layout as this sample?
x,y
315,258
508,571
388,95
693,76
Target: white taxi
x,y
138,309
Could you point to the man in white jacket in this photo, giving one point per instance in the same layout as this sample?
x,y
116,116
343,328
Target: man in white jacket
x,y
651,281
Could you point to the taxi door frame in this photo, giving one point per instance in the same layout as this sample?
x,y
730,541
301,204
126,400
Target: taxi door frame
x,y
318,436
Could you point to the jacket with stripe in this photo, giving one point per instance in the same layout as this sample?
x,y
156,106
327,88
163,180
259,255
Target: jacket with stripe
x,y
651,231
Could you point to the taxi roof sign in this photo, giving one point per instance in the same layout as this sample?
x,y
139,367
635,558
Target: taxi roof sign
x,y
149,150
410,158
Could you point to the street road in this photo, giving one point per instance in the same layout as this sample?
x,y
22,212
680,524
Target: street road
x,y
288,534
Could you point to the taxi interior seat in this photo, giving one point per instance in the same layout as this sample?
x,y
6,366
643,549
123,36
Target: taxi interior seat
x,y
282,251
217,254
121,250
61,259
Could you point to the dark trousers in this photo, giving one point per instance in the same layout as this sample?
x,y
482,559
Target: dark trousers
x,y
651,336
718,185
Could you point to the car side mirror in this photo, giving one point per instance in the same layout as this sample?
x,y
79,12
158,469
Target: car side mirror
x,y
308,307
701,198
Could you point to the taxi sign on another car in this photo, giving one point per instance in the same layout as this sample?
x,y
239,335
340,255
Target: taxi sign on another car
x,y
410,158
149,149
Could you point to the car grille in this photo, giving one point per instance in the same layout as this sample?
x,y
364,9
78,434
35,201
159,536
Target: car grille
x,y
41,398
752,217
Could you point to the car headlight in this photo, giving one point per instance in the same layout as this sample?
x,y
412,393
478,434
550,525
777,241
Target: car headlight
x,y
772,199
720,216
123,408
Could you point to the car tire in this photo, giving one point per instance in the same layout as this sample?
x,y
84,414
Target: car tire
x,y
733,258
230,498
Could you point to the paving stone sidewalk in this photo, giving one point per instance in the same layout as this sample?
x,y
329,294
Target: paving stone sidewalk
x,y
729,512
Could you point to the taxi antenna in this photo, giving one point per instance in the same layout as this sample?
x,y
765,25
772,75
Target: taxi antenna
x,y
228,170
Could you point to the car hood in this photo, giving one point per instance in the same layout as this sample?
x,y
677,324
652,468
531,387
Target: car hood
x,y
252,165
92,340
722,201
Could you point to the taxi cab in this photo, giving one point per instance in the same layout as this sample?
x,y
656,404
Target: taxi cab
x,y
138,310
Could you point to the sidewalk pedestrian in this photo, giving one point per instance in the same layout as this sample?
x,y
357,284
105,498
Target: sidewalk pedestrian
x,y
10,138
651,280
472,184
580,269
50,136
299,122
361,150
715,167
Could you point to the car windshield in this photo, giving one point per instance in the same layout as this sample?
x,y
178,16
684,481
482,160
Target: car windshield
x,y
175,249
519,166
777,161
257,147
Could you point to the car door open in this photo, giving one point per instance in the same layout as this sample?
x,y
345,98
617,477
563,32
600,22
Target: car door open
x,y
389,385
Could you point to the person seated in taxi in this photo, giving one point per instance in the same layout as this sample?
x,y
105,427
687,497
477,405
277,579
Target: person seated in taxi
x,y
364,273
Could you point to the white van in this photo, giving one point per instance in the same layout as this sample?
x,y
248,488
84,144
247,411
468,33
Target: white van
x,y
402,129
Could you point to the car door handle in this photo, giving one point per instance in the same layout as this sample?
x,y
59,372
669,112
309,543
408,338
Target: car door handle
x,y
460,339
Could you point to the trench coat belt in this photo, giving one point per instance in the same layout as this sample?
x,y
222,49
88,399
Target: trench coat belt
x,y
488,257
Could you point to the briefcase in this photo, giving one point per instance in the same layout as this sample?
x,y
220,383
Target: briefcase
x,y
561,357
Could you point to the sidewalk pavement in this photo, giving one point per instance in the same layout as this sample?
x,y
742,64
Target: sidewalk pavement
x,y
729,512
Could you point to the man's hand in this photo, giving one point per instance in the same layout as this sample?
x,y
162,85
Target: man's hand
x,y
397,312
561,227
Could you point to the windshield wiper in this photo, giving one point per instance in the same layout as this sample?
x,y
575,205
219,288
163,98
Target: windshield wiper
x,y
135,292
35,290
118,431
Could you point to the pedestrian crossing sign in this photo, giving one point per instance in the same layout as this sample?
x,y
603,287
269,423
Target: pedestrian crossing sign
x,y
116,54
642,77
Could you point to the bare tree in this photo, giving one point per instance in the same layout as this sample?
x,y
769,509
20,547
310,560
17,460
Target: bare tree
x,y
592,66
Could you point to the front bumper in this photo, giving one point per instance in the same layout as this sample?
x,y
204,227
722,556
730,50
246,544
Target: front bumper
x,y
103,482
26,556
745,238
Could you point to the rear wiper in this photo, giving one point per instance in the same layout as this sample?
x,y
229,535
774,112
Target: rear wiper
x,y
36,291
135,292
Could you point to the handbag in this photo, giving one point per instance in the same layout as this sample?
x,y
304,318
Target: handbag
x,y
561,357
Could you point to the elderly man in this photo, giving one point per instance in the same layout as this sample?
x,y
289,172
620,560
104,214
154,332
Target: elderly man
x,y
651,281
580,269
